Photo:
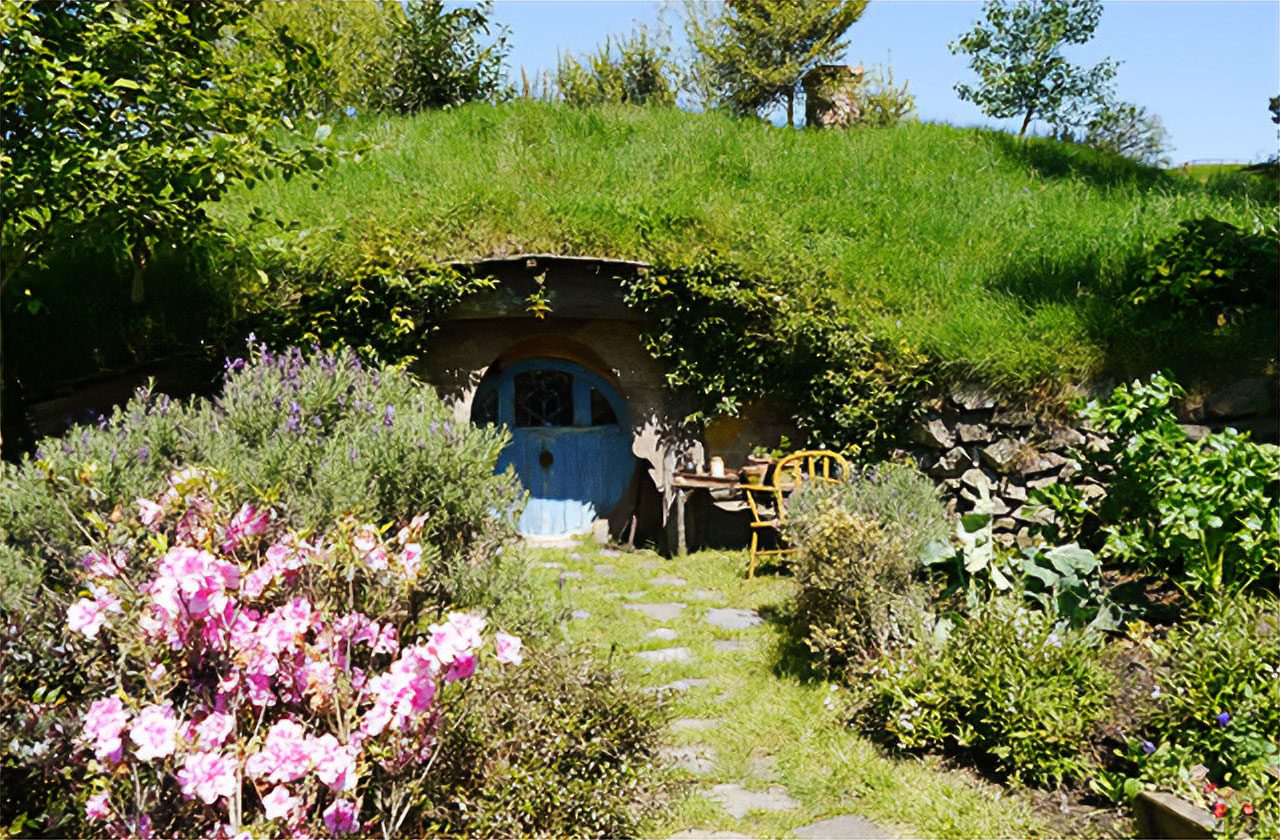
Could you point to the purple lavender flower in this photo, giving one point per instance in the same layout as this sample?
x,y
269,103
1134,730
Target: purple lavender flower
x,y
354,453
293,425
143,453
1148,747
1223,719
389,416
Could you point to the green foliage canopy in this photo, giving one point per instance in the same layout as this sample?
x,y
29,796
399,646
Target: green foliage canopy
x,y
754,53
1016,50
447,56
636,70
355,45
122,121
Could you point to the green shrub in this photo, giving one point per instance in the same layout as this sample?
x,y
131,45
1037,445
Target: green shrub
x,y
1212,268
1224,664
1006,682
558,747
1206,514
318,438
860,544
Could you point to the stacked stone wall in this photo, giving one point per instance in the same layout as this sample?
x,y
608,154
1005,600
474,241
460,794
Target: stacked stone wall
x,y
968,438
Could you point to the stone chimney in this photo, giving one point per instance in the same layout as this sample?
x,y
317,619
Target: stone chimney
x,y
831,96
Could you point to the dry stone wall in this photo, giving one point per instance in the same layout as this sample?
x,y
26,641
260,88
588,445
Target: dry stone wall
x,y
968,438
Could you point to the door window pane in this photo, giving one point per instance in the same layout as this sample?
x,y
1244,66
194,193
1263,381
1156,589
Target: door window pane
x,y
544,398
602,413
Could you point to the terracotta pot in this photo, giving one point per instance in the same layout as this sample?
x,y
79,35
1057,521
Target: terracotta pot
x,y
753,473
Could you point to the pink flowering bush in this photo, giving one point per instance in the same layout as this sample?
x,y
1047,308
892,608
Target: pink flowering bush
x,y
263,680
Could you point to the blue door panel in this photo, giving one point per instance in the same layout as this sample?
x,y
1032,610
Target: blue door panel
x,y
574,474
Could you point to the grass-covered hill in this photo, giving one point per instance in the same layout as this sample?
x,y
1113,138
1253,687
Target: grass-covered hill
x,y
1001,260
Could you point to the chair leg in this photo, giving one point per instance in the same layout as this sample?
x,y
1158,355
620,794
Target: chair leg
x,y
755,547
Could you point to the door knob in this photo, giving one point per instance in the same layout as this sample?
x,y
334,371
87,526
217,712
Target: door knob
x,y
545,459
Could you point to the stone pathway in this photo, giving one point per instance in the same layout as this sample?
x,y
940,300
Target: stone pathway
x,y
747,788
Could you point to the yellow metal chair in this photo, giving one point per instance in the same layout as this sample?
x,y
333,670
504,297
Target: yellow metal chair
x,y
767,500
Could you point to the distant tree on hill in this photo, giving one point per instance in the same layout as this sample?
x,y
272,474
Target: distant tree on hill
x,y
1124,128
446,57
750,55
636,70
1274,106
1016,50
355,48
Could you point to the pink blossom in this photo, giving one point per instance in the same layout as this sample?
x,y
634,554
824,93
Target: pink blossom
x,y
215,729
99,565
508,648
376,559
285,756
103,724
86,616
279,803
366,539
316,677
97,808
340,817
209,776
335,764
408,688
462,668
150,513
411,558
458,636
154,732
417,522
248,522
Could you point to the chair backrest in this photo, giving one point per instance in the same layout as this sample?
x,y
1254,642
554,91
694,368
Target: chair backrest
x,y
809,465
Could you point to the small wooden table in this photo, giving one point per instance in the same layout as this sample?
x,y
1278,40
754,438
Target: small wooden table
x,y
685,483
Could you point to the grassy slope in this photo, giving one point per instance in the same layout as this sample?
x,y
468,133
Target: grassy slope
x,y
769,713
997,257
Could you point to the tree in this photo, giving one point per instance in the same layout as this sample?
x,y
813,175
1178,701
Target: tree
x,y
445,57
1124,128
355,43
1016,50
752,54
883,100
119,122
635,70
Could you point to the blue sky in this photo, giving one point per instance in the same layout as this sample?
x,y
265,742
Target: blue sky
x,y
1207,67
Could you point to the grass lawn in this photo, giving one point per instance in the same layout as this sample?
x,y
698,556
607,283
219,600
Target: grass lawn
x,y
1002,259
760,720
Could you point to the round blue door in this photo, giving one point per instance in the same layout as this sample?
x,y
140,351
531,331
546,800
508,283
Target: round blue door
x,y
569,442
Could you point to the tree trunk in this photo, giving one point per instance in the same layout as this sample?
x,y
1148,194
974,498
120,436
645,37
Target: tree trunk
x,y
1026,122
791,108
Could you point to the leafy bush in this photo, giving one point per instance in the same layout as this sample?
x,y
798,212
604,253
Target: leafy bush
x,y
727,343
860,545
1219,699
1204,513
1007,682
318,437
636,70
1065,581
558,747
1212,267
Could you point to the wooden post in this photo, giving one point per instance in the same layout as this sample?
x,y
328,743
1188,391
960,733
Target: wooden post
x,y
682,546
